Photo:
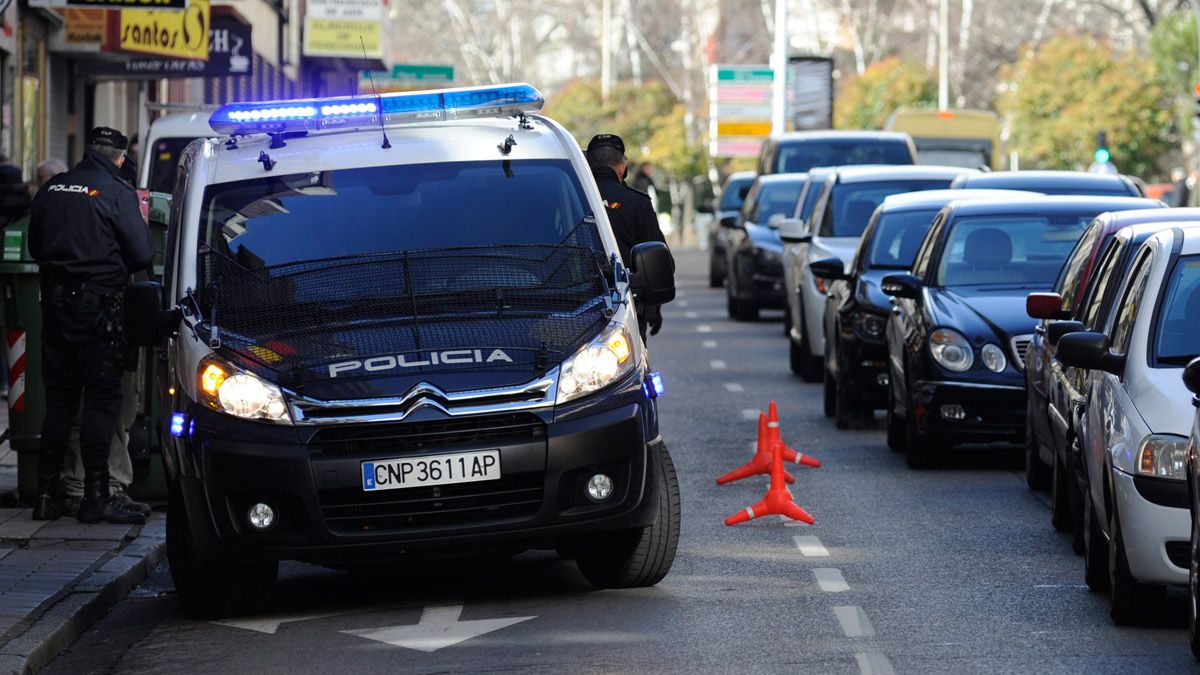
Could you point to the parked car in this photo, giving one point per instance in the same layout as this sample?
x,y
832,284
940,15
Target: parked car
x,y
849,196
754,252
1054,183
800,151
1191,379
1053,390
856,310
1134,427
959,330
814,185
727,209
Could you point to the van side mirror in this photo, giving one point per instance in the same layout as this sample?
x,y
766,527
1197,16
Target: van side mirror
x,y
1089,351
1044,306
901,286
652,272
1055,331
791,231
160,208
1191,376
146,322
830,269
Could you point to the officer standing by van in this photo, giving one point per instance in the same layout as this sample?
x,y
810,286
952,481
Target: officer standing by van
x,y
630,211
87,234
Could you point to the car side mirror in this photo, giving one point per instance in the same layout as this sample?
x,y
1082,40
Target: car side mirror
x,y
652,272
146,322
730,223
830,269
1089,351
775,220
1055,331
1191,376
1045,306
792,231
901,286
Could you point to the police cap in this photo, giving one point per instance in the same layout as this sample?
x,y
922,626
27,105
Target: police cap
x,y
107,136
606,141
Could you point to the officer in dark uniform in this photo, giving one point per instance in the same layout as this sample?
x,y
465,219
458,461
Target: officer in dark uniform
x,y
87,234
629,211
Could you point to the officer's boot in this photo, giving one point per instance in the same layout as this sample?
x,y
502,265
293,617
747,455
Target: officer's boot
x,y
98,506
45,505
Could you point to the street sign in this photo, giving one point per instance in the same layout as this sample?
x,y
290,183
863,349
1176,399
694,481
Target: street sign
x,y
407,77
343,28
809,93
740,109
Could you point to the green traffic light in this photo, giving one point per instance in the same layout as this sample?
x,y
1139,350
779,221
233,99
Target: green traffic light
x,y
1103,156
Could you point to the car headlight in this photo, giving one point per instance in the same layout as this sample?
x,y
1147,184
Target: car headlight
x,y
993,358
870,325
951,350
1163,456
603,361
239,393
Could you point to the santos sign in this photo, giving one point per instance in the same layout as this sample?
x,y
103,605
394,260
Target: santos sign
x,y
229,53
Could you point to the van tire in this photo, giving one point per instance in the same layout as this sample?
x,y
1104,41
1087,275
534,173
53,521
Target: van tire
x,y
212,591
642,556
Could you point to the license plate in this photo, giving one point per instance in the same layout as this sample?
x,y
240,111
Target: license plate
x,y
464,467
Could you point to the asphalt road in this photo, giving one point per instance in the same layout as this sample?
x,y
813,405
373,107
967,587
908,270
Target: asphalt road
x,y
950,570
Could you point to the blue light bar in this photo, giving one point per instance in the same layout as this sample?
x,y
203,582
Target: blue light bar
x,y
313,114
178,420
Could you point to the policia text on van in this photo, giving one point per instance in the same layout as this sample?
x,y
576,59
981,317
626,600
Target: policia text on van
x,y
372,355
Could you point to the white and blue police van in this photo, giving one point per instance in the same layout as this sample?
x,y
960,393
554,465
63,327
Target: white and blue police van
x,y
396,326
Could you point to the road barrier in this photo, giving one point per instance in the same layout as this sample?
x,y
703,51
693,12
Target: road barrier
x,y
769,456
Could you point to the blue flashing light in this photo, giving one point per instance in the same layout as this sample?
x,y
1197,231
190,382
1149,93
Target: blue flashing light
x,y
653,386
366,110
178,421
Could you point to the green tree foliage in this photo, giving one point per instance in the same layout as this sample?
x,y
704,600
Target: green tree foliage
x,y
1173,49
866,101
1073,86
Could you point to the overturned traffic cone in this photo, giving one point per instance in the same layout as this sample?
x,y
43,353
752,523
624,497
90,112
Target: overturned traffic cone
x,y
768,440
779,499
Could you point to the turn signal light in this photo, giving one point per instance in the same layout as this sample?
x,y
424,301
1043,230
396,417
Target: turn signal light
x,y
212,378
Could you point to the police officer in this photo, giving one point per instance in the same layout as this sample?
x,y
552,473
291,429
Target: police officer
x,y
629,211
87,234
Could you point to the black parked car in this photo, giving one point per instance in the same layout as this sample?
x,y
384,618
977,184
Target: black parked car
x,y
727,210
959,329
1054,183
856,310
754,255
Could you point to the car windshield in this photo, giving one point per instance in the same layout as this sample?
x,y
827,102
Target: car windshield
x,y
1178,341
897,237
801,156
1022,251
853,203
356,212
732,197
775,198
164,162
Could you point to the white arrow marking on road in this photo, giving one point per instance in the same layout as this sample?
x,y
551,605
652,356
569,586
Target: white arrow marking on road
x,y
874,663
854,621
831,580
734,388
439,627
709,344
270,624
811,547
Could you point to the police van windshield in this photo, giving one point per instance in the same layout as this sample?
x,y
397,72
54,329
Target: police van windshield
x,y
365,211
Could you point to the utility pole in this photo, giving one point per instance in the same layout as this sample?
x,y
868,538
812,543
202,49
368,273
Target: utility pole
x,y
943,54
779,65
606,55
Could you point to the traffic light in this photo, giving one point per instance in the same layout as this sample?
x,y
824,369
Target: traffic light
x,y
1102,156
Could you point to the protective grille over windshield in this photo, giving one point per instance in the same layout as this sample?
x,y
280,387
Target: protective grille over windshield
x,y
404,311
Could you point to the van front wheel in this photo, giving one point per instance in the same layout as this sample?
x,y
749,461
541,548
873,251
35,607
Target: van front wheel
x,y
643,556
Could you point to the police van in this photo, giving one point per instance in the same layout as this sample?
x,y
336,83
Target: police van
x,y
394,326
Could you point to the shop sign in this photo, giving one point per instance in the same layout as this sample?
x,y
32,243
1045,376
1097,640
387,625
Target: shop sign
x,y
166,33
343,28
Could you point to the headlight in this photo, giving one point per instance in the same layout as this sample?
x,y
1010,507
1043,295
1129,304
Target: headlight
x,y
239,393
603,361
768,255
951,350
1163,456
993,358
870,325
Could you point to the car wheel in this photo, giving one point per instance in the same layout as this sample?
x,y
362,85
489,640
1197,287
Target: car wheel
x,y
787,318
642,556
1060,496
811,368
794,357
1095,550
1130,599
1194,588
920,450
1076,494
715,277
895,423
847,411
213,591
829,400
1037,474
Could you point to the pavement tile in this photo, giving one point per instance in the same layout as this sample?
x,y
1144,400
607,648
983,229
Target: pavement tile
x,y
71,529
8,514
21,527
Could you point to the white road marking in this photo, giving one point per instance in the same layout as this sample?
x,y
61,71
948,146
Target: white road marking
x,y
270,624
704,328
709,344
439,627
717,364
750,414
854,621
681,303
811,547
734,388
691,315
874,663
830,580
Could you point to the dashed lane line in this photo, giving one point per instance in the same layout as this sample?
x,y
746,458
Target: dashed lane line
x,y
734,388
874,663
681,303
854,621
691,315
830,580
709,344
750,414
717,364
704,328
811,547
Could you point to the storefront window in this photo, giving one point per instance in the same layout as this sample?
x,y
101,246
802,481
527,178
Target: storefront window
x,y
32,79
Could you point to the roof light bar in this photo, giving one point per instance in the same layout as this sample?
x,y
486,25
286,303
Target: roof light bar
x,y
353,111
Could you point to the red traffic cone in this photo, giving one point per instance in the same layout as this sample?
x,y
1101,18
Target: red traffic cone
x,y
779,500
775,438
761,464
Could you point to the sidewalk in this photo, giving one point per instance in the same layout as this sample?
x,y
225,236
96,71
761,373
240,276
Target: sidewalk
x,y
58,577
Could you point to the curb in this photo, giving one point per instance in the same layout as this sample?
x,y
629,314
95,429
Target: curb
x,y
60,624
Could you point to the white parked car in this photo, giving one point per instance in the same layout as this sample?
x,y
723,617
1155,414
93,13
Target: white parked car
x,y
1134,425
